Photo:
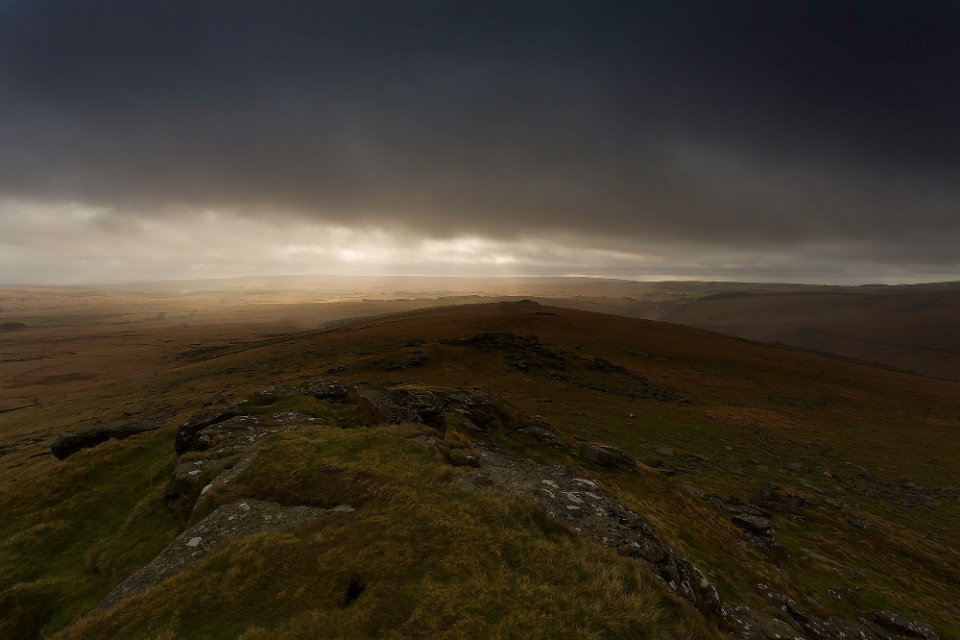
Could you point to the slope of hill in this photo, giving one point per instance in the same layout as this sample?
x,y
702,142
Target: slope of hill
x,y
504,470
913,331
914,328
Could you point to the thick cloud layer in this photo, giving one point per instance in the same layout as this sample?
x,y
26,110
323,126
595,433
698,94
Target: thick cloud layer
x,y
730,135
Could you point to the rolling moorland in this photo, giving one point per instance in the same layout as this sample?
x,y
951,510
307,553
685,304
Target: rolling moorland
x,y
495,469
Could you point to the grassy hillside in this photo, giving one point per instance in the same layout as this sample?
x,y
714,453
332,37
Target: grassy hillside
x,y
857,465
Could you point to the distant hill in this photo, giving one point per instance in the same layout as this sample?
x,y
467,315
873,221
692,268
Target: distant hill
x,y
905,328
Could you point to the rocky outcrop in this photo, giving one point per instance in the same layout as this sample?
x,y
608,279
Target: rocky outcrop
x,y
227,523
904,626
220,443
756,523
188,435
744,623
878,625
394,406
69,443
217,446
588,508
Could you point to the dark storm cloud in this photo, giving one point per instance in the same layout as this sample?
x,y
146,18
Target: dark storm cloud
x,y
742,125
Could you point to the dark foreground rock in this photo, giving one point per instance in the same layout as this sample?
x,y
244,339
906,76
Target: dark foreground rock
x,y
229,522
69,443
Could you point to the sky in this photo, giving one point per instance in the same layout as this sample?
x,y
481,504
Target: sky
x,y
744,140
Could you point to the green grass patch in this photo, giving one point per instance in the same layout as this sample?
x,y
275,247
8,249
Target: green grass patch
x,y
70,535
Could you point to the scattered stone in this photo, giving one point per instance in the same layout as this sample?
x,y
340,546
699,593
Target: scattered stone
x,y
607,456
542,431
745,623
666,452
599,364
854,470
753,520
782,498
380,406
756,525
860,523
69,443
905,626
462,458
836,628
330,390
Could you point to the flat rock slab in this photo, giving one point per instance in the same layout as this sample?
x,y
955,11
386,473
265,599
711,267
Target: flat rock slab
x,y
227,523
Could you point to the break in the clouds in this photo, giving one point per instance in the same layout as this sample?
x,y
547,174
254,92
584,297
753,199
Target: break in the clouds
x,y
690,137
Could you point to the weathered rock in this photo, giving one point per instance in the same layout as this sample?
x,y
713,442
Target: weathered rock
x,y
545,436
854,470
607,456
461,458
225,477
744,623
428,405
380,406
330,390
757,525
817,627
229,522
599,364
755,522
540,428
783,498
188,432
585,505
477,407
905,626
69,443
187,476
228,436
666,452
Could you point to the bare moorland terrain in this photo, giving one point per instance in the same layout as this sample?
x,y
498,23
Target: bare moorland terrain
x,y
817,496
